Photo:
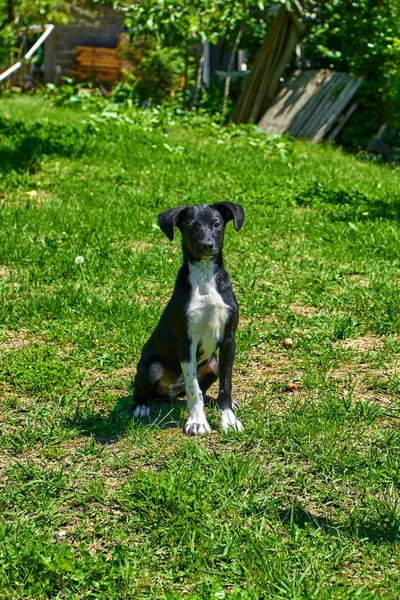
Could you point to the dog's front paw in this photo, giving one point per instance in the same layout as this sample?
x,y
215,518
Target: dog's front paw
x,y
141,411
228,420
197,426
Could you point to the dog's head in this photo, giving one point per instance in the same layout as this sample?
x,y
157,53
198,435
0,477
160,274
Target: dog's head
x,y
202,227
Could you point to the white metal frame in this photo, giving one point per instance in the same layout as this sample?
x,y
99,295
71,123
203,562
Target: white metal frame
x,y
48,30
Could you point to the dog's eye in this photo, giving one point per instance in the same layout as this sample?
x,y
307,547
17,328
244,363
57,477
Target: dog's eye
x,y
217,225
193,225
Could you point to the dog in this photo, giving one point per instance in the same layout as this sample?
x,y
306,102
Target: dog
x,y
201,317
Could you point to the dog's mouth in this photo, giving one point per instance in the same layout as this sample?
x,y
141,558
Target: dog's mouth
x,y
209,255
203,252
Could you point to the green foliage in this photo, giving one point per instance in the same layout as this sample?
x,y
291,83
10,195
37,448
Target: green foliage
x,y
17,15
125,92
73,93
182,26
362,38
7,43
37,12
62,94
182,22
158,74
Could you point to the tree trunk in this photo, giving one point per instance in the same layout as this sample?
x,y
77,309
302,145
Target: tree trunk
x,y
10,15
227,86
185,75
10,11
199,78
226,34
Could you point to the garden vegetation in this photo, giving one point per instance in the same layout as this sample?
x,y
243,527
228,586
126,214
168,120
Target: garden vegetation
x,y
304,503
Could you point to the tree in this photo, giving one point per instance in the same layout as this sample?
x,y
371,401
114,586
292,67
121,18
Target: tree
x,y
16,16
362,38
187,24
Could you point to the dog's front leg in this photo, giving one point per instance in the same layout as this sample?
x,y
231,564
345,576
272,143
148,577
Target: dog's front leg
x,y
197,423
226,356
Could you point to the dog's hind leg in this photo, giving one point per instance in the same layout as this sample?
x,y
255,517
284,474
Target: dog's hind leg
x,y
146,379
207,374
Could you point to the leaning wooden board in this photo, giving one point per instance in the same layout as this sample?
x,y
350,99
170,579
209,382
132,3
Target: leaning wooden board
x,y
309,103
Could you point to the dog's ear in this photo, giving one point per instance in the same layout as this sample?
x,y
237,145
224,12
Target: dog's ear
x,y
229,211
168,220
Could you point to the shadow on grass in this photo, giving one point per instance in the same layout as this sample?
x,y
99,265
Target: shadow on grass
x,y
24,145
20,158
164,414
301,518
382,529
348,205
377,530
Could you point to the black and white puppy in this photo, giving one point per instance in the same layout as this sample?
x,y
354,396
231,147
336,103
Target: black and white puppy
x,y
201,317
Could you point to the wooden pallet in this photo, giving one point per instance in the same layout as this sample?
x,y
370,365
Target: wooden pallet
x,y
310,103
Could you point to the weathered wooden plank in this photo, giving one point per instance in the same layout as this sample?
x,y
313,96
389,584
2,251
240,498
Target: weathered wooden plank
x,y
310,103
342,120
101,64
98,62
95,50
319,107
344,98
292,98
263,81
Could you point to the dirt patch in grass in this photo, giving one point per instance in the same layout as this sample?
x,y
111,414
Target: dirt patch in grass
x,y
369,375
301,309
362,376
362,344
109,379
17,340
139,246
357,279
6,272
143,299
124,373
31,197
267,373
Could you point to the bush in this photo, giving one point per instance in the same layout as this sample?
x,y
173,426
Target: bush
x,y
362,38
158,72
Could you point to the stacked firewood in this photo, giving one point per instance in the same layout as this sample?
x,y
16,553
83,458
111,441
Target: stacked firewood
x,y
96,64
104,65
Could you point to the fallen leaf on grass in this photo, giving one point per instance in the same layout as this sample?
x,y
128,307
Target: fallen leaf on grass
x,y
31,193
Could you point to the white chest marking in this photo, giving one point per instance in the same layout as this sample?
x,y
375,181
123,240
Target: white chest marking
x,y
207,312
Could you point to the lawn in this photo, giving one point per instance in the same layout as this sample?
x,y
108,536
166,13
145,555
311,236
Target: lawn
x,y
305,502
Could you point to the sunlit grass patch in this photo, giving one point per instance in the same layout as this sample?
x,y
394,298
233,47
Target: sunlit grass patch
x,y
302,504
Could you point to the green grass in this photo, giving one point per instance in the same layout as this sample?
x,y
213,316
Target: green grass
x,y
305,502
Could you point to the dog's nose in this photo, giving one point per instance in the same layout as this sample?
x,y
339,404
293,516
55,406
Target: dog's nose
x,y
207,246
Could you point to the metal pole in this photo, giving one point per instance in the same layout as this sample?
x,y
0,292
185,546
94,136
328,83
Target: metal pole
x,y
29,54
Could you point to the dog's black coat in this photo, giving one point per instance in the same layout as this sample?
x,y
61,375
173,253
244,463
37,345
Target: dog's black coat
x,y
160,366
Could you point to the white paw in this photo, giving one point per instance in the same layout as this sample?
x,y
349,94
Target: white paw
x,y
197,425
141,411
228,420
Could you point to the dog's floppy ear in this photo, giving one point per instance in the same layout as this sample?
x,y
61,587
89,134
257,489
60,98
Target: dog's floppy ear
x,y
169,219
229,211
